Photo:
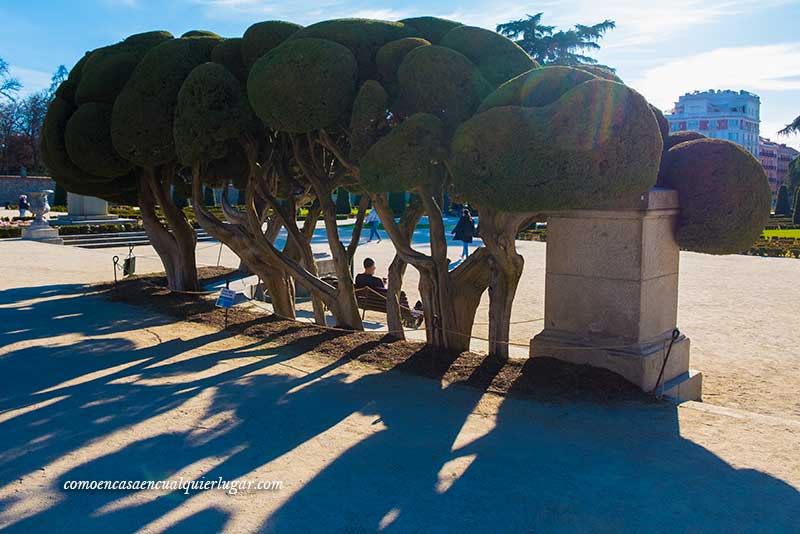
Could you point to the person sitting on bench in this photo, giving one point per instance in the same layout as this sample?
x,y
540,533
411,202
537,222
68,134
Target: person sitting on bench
x,y
368,278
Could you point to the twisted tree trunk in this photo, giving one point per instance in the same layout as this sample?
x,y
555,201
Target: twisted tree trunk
x,y
175,243
499,231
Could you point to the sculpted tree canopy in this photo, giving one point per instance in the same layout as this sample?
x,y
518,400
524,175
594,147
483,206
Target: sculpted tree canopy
x,y
432,29
442,82
724,195
141,125
368,120
303,85
599,142
411,154
107,69
229,54
391,55
212,111
363,37
498,58
262,37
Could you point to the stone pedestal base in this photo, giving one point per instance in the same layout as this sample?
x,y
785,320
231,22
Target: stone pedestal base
x,y
611,294
83,209
42,233
637,363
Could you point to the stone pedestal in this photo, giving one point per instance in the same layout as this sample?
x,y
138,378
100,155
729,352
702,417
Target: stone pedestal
x,y
86,209
611,294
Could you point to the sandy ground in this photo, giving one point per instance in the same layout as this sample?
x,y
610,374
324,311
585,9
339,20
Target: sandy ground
x,y
95,390
740,312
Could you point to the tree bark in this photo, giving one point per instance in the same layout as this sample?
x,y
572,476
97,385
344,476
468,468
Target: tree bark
x,y
176,244
238,239
499,231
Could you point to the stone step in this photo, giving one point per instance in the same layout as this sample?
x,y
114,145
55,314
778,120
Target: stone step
x,y
684,387
111,238
120,239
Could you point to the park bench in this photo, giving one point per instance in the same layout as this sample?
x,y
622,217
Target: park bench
x,y
375,300
371,299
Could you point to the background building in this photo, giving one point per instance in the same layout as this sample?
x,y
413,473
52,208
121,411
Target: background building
x,y
775,158
730,115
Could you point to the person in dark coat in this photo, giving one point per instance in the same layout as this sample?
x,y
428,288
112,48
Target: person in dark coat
x,y
464,231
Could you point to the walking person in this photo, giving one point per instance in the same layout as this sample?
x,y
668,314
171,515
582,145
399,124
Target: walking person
x,y
464,231
373,221
23,205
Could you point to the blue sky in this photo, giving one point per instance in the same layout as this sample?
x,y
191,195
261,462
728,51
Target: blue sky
x,y
661,50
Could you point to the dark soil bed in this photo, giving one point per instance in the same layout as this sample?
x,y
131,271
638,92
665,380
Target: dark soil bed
x,y
541,378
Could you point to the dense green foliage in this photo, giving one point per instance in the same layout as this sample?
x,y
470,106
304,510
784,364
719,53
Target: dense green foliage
x,y
498,58
363,37
229,54
303,85
368,119
397,203
536,88
782,207
724,195
597,144
410,155
262,37
681,137
432,29
212,111
442,82
141,124
796,211
88,141
107,69
391,55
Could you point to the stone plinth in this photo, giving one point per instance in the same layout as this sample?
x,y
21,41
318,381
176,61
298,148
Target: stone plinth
x,y
611,294
86,209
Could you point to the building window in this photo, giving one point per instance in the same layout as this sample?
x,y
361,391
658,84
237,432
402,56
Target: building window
x,y
733,136
733,123
693,125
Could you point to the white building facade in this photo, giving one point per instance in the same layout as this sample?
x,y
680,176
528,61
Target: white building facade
x,y
730,115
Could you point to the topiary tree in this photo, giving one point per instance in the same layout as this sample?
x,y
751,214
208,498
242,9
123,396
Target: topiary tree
x,y
554,138
724,195
782,207
293,88
142,133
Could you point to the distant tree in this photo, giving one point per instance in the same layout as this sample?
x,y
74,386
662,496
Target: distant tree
x,y
208,197
9,86
397,201
343,206
794,175
796,217
551,47
791,128
782,205
60,196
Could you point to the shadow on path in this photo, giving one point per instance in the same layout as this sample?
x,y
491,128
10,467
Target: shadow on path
x,y
432,467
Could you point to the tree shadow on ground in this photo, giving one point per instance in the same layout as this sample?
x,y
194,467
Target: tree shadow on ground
x,y
424,463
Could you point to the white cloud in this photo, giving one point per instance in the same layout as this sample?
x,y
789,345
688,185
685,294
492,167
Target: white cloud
x,y
754,68
31,80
